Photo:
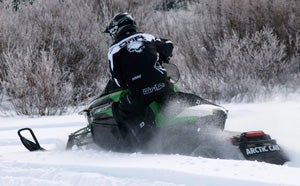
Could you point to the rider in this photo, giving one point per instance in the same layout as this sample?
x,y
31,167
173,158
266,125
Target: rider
x,y
135,61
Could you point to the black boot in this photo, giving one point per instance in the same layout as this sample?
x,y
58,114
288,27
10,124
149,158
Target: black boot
x,y
134,129
140,131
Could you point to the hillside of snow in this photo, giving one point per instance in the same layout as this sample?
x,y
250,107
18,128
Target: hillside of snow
x,y
57,167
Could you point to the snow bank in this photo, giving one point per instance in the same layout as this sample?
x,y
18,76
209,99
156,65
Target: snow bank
x,y
98,167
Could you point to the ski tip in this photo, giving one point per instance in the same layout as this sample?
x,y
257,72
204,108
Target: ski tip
x,y
28,144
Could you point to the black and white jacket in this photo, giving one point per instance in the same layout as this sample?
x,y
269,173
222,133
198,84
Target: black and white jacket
x,y
135,62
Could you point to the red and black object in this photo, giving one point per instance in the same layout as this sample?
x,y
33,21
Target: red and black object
x,y
259,146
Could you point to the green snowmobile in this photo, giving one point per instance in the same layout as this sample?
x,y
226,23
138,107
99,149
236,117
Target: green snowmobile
x,y
187,125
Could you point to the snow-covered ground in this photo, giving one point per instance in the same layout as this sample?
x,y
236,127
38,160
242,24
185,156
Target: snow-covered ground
x,y
279,117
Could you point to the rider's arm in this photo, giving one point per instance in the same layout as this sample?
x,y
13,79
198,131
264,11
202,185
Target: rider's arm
x,y
165,48
115,69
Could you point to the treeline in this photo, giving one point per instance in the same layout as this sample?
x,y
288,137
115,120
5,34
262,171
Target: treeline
x,y
53,53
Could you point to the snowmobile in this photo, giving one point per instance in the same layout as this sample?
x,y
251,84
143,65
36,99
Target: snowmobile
x,y
188,125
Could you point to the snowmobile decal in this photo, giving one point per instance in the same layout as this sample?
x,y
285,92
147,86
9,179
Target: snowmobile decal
x,y
257,150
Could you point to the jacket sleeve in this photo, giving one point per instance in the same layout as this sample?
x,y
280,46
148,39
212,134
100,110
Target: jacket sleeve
x,y
165,48
115,69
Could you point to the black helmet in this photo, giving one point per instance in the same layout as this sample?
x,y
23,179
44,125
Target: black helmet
x,y
120,24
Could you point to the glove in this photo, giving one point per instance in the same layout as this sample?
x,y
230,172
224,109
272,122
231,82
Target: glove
x,y
167,60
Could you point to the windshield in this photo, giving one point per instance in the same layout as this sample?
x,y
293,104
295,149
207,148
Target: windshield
x,y
172,72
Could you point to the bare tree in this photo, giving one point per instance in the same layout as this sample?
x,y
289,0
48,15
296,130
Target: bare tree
x,y
53,53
